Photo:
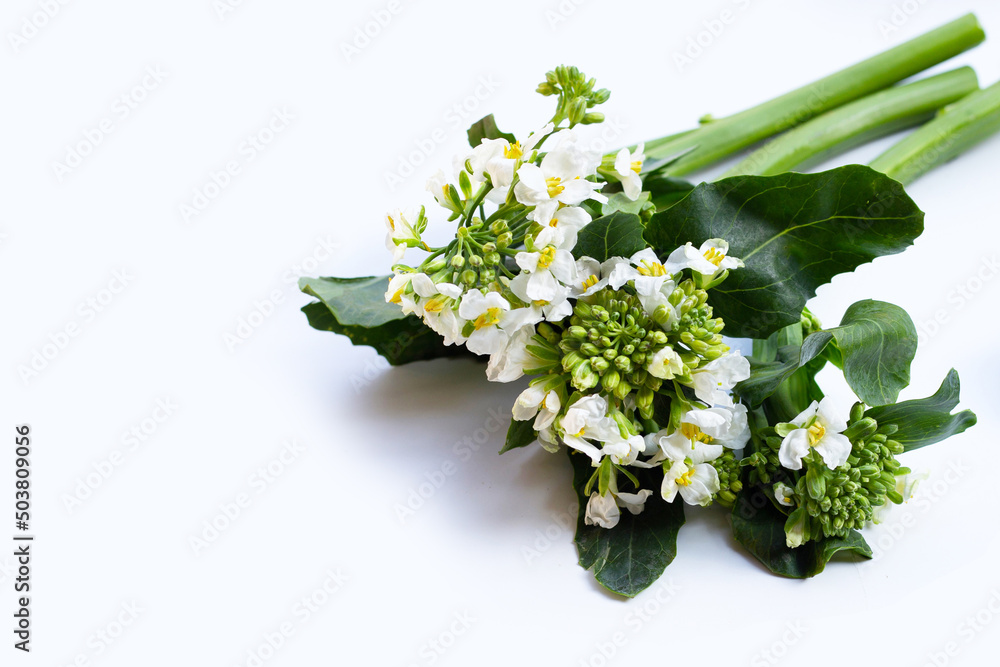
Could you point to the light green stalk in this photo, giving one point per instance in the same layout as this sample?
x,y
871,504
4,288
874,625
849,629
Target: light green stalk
x,y
719,138
957,129
858,122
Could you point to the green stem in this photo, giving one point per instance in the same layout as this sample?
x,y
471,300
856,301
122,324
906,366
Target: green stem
x,y
858,122
719,138
957,129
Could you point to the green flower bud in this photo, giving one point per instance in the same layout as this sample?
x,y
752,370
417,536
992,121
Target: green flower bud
x,y
457,262
475,261
610,379
469,277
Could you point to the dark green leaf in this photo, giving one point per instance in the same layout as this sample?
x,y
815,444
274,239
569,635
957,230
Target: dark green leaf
x,y
356,308
794,231
875,343
928,420
519,434
666,190
615,235
628,558
760,527
486,128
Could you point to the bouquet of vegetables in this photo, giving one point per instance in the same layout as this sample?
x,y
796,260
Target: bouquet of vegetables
x,y
609,281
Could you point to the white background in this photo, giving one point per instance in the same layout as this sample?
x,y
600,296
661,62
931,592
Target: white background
x,y
489,546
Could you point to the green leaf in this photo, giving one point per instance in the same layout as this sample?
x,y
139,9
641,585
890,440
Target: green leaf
x,y
356,308
615,235
794,231
875,342
486,128
628,558
929,420
665,191
619,201
760,527
519,434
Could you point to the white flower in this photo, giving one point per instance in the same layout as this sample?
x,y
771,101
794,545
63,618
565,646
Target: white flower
x,y
713,381
439,310
696,483
653,284
439,186
603,510
587,419
512,360
398,293
797,535
550,270
485,312
560,225
628,165
708,260
703,434
784,494
819,428
666,364
404,229
498,159
538,404
906,486
593,276
554,309
561,178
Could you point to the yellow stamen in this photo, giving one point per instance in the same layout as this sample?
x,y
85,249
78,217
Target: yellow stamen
x,y
553,222
488,319
816,433
397,298
546,257
648,268
694,434
685,479
513,151
637,166
715,256
392,223
554,186
590,282
435,305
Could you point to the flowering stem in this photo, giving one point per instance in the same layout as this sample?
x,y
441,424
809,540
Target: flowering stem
x,y
954,131
719,138
858,122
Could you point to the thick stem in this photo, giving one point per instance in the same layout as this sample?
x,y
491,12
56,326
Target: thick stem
x,y
954,131
722,137
858,122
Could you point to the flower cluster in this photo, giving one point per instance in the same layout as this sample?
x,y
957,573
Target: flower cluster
x,y
627,362
833,475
